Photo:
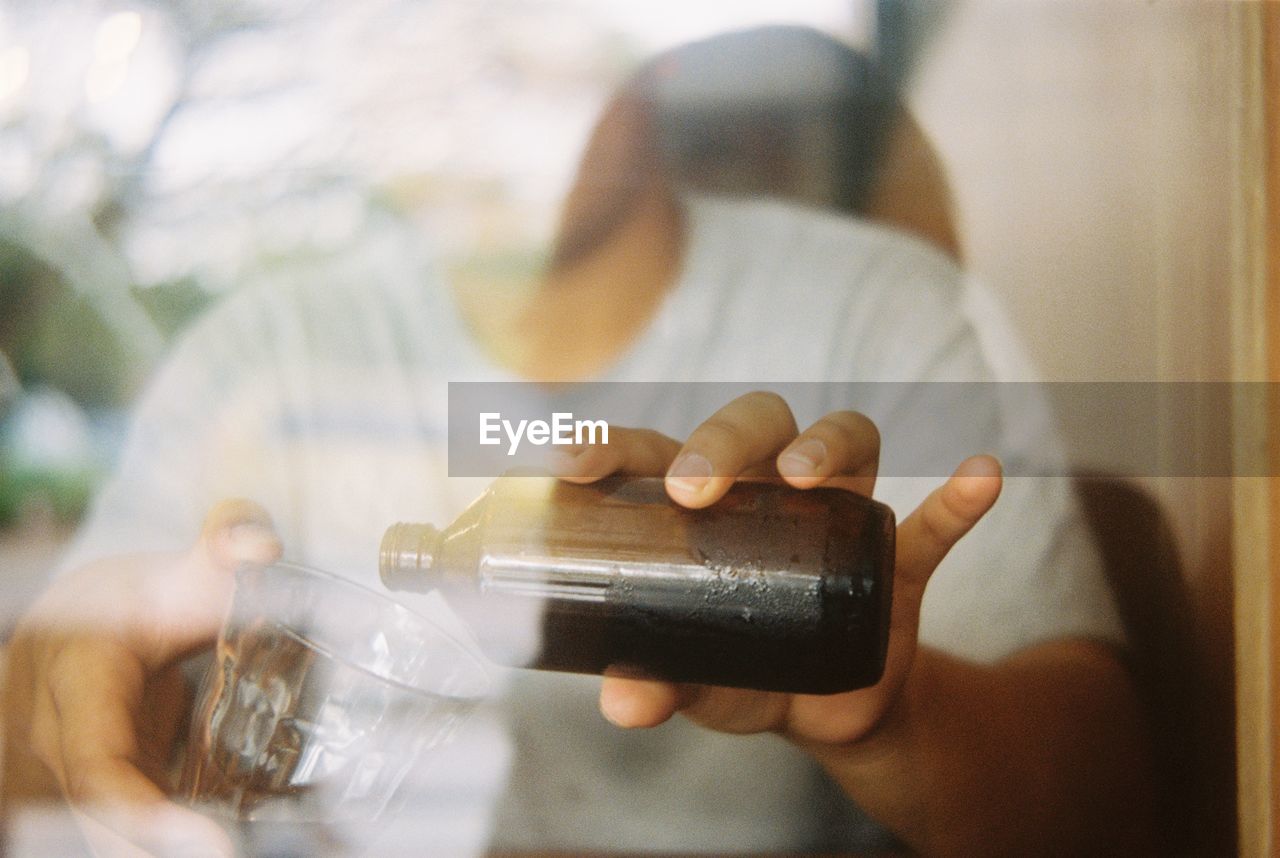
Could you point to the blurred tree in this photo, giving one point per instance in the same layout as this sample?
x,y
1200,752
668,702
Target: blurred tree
x,y
53,336
156,154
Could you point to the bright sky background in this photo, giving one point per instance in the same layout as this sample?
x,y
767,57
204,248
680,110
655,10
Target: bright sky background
x,y
662,23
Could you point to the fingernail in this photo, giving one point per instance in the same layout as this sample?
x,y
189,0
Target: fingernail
x,y
606,709
979,466
802,459
616,708
689,473
252,542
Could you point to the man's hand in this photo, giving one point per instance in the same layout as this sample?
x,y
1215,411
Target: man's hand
x,y
753,435
1041,753
95,687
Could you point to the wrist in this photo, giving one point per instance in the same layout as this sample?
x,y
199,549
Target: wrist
x,y
887,736
887,769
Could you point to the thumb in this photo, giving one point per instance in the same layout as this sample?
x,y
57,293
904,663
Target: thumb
x,y
946,515
238,532
924,538
186,604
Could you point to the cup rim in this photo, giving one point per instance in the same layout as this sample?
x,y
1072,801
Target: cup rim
x,y
468,653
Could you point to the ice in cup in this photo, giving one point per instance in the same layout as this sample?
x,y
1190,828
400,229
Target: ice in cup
x,y
321,698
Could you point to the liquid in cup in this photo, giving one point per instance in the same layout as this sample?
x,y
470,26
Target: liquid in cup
x,y
322,697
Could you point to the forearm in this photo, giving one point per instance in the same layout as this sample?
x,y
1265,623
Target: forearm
x,y
1041,754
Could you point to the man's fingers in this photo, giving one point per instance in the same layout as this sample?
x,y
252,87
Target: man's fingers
x,y
924,538
94,688
239,531
42,733
749,430
641,452
158,831
638,702
945,516
843,448
743,439
98,641
231,512
632,703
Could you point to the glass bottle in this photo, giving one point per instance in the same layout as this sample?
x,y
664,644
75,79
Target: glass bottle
x,y
770,588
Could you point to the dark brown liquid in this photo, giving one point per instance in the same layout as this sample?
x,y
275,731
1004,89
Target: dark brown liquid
x,y
251,743
797,598
770,588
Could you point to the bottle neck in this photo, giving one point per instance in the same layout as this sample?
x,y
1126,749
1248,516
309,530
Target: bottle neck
x,y
407,555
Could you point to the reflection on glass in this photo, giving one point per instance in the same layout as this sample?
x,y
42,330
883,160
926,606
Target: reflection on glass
x,y
321,698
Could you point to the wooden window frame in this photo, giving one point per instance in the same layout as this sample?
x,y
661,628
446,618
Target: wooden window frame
x,y
1256,501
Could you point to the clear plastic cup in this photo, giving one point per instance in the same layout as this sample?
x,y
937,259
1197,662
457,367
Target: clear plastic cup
x,y
322,696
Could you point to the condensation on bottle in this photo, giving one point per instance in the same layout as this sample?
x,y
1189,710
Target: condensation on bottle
x,y
771,588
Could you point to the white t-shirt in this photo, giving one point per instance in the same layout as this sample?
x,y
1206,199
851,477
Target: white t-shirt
x,y
326,403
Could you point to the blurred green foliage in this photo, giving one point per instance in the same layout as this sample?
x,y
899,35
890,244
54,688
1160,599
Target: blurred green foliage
x,y
62,495
173,306
54,337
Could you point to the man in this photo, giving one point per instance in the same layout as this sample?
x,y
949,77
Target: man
x,y
1004,724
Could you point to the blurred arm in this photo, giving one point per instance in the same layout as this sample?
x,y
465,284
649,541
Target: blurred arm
x,y
1042,753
